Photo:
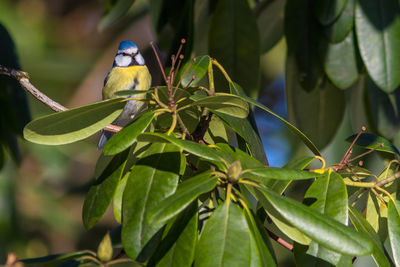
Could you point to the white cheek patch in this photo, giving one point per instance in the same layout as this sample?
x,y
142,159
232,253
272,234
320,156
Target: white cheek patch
x,y
123,61
139,59
131,50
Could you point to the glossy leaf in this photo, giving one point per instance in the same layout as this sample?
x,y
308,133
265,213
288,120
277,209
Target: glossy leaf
x,y
197,68
236,89
132,92
232,154
152,180
182,239
114,13
363,226
339,29
101,193
73,125
234,42
218,244
197,149
228,104
281,173
262,241
378,33
330,196
394,229
117,199
187,191
127,136
372,141
301,33
340,61
322,229
319,126
270,24
328,11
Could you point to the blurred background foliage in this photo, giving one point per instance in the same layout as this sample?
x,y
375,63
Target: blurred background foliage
x,y
67,47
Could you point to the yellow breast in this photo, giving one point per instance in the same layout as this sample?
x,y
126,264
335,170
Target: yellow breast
x,y
126,78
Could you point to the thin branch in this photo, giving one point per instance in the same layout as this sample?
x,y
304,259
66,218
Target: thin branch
x,y
279,240
23,78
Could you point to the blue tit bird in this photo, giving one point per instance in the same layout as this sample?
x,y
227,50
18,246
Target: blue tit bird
x,y
128,72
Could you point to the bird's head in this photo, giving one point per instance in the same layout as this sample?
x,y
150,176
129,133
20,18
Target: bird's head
x,y
128,55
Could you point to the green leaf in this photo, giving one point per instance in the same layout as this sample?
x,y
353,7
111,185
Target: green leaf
x,y
105,250
197,149
197,68
330,196
239,91
262,241
372,141
101,193
270,24
378,34
56,259
234,42
322,229
127,136
319,126
187,191
394,229
183,234
281,173
132,92
328,11
339,29
340,61
114,13
301,34
228,104
152,180
364,227
73,125
219,240
232,154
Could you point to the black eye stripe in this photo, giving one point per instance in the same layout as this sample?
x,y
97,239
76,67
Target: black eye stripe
x,y
126,54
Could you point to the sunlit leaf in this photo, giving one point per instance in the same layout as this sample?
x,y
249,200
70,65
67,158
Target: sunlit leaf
x,y
74,124
394,229
198,69
364,227
320,228
220,237
127,136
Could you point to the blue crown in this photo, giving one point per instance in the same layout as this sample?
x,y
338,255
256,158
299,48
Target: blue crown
x,y
126,44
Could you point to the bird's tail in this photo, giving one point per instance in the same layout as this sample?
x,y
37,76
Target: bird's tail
x,y
104,137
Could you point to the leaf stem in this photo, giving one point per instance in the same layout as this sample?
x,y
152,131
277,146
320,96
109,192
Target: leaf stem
x,y
216,63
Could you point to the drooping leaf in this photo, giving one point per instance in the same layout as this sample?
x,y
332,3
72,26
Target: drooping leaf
x,y
340,61
197,69
114,13
364,227
73,125
328,11
228,104
394,229
319,126
280,174
187,191
322,229
330,196
117,199
234,42
301,33
236,89
197,149
378,34
372,141
270,24
152,180
101,193
127,136
179,245
218,242
339,29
